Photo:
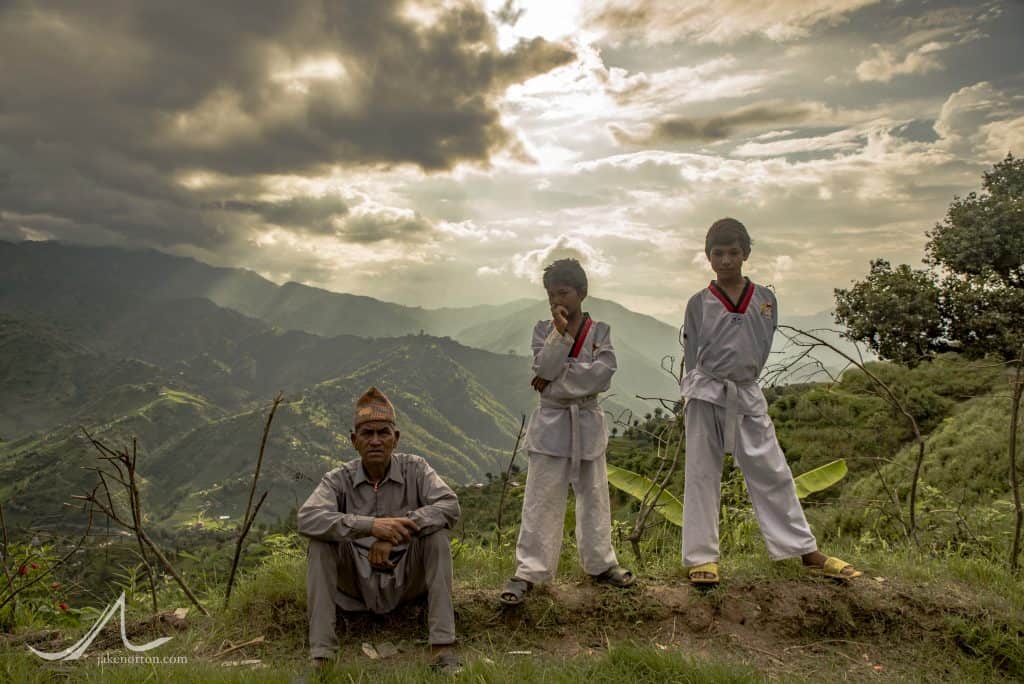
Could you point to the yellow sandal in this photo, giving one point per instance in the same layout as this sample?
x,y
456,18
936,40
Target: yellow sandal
x,y
833,569
708,568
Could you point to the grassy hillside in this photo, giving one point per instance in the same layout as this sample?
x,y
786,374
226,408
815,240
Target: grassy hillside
x,y
444,415
198,422
39,474
46,379
963,410
852,419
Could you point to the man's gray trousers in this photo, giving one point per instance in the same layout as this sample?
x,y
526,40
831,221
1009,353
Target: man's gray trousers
x,y
339,575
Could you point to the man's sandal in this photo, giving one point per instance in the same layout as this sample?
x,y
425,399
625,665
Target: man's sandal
x,y
448,664
834,567
617,576
317,671
514,591
705,573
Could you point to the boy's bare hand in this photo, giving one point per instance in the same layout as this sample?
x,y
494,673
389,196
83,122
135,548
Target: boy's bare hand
x,y
538,383
560,318
394,530
380,554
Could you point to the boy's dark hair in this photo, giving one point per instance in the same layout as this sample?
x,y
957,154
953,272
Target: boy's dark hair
x,y
726,231
565,272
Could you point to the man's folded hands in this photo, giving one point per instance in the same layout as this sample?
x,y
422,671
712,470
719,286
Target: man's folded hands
x,y
393,530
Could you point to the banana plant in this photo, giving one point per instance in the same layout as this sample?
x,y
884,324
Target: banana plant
x,y
671,508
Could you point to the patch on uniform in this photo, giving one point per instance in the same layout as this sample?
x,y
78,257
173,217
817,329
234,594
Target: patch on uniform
x,y
766,309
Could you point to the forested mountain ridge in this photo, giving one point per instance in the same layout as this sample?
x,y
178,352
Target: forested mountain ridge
x,y
193,381
198,419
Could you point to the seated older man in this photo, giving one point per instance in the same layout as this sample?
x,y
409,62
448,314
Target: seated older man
x,y
378,536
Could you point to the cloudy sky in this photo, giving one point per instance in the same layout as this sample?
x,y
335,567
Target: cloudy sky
x,y
440,154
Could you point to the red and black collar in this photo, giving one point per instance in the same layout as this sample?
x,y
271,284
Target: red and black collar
x,y
744,301
577,345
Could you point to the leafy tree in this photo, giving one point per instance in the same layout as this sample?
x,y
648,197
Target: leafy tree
x,y
970,298
895,312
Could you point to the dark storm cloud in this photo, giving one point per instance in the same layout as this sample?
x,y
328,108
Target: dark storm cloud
x,y
313,214
718,127
509,14
98,193
103,105
370,228
330,215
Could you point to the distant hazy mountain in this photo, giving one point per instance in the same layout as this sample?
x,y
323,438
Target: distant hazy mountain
x,y
61,279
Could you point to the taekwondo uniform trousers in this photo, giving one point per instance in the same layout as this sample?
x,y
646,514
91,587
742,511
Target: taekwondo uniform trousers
x,y
769,484
540,534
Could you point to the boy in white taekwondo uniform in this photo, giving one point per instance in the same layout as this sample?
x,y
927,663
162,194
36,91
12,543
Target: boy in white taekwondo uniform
x,y
573,361
727,338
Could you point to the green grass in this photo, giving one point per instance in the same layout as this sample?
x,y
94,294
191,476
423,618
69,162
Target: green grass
x,y
625,663
929,619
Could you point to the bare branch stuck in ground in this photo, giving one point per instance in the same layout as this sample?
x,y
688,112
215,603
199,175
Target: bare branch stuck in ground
x,y
6,552
250,512
810,340
668,438
124,463
658,485
508,475
137,521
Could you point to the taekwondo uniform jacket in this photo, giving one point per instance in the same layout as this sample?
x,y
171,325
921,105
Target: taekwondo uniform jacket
x,y
569,422
726,345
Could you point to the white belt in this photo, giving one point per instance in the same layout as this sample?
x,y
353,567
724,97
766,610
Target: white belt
x,y
575,446
732,407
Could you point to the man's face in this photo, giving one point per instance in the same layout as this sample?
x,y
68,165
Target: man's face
x,y
727,260
566,296
375,441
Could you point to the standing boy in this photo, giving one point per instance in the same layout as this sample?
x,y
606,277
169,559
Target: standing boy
x,y
728,335
573,361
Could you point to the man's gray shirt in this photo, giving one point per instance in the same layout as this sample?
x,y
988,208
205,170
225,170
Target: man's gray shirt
x,y
345,503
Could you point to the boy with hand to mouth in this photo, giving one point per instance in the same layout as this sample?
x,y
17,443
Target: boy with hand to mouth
x,y
727,338
573,361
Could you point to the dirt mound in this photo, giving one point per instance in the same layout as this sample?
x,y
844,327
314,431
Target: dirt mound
x,y
784,627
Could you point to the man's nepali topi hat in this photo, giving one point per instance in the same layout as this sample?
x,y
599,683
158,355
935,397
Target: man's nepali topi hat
x,y
373,406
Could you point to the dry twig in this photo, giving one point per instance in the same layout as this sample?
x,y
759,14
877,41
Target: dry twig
x,y
124,464
508,475
250,512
